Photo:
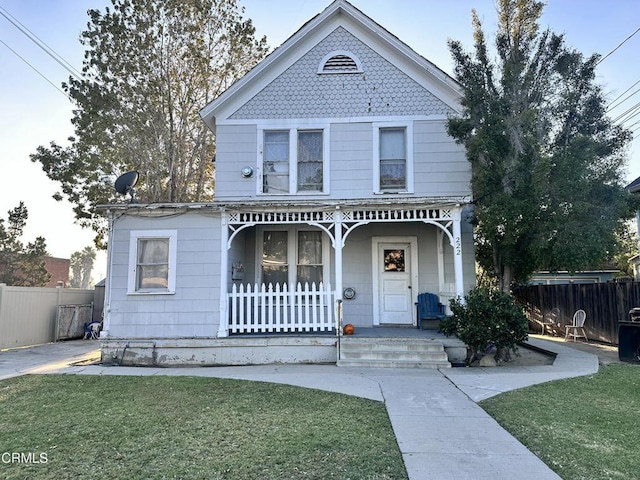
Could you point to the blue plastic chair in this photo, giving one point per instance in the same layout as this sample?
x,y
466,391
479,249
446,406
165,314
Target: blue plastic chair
x,y
428,307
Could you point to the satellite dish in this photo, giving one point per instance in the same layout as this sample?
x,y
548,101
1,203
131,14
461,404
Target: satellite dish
x,y
124,184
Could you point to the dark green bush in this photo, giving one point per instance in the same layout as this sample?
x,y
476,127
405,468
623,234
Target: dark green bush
x,y
488,319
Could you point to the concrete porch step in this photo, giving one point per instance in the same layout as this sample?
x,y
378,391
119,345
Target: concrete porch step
x,y
392,353
392,363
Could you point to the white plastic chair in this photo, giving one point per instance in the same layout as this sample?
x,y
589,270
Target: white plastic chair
x,y
576,329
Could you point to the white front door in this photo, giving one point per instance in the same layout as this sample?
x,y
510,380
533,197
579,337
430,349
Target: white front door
x,y
394,271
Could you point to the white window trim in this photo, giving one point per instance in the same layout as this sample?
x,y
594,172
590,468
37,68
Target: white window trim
x,y
134,236
293,158
321,70
292,251
408,126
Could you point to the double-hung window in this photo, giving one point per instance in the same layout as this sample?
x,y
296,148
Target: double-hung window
x,y
152,261
393,159
275,261
310,161
303,249
294,161
275,166
309,257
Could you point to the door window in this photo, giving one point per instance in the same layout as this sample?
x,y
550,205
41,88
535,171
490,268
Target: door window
x,y
394,260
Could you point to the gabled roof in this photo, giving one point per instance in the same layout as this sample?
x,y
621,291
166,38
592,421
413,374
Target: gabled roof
x,y
634,187
340,12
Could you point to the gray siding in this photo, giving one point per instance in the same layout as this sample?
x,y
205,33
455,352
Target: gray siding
x,y
193,311
351,160
236,147
440,165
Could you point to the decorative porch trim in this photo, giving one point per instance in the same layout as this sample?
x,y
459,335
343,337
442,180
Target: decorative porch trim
x,y
351,218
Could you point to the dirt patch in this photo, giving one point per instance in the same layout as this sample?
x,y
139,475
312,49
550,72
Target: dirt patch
x,y
530,357
526,357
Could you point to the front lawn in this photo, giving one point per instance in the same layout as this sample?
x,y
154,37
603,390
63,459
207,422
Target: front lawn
x,y
583,428
76,426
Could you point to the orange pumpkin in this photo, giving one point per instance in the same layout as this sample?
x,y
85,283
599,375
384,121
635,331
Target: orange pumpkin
x,y
348,329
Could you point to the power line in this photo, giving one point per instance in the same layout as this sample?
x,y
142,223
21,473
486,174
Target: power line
x,y
611,106
34,69
619,45
632,116
628,114
40,43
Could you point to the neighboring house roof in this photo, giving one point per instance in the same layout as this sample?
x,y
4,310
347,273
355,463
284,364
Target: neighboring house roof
x,y
634,187
339,14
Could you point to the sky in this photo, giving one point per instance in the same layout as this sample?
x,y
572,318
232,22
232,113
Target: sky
x,y
34,112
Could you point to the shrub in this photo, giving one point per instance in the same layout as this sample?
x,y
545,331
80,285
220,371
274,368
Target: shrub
x,y
487,319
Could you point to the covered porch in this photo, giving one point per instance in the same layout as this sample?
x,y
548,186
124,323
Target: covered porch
x,y
275,279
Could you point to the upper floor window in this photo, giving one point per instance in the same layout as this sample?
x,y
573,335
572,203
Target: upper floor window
x,y
310,165
393,163
152,261
294,161
340,61
393,159
275,166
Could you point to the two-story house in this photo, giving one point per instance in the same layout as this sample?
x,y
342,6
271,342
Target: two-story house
x,y
339,197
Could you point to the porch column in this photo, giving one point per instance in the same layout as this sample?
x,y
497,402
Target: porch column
x,y
106,307
457,252
223,327
338,252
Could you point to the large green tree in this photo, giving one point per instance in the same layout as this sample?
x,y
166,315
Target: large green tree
x,y
20,264
149,67
547,162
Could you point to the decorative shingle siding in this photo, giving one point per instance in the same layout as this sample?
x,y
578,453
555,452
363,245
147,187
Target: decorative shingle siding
x,y
381,90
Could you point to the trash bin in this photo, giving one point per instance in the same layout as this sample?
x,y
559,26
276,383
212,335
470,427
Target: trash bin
x,y
629,337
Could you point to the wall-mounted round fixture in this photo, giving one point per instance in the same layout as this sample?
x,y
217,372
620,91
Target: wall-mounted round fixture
x,y
349,293
246,172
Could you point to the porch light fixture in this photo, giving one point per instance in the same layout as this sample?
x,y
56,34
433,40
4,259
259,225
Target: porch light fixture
x,y
349,293
246,172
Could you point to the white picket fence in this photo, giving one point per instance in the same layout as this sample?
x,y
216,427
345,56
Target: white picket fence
x,y
281,308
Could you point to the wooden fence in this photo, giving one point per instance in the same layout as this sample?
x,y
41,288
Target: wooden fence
x,y
606,304
276,308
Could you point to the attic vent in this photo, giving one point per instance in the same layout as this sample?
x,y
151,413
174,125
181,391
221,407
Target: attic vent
x,y
340,62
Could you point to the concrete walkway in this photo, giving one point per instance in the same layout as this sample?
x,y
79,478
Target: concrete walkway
x,y
441,431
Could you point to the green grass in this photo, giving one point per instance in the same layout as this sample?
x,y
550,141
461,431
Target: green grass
x,y
583,428
191,428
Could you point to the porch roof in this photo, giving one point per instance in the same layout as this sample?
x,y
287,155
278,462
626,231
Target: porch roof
x,y
295,204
